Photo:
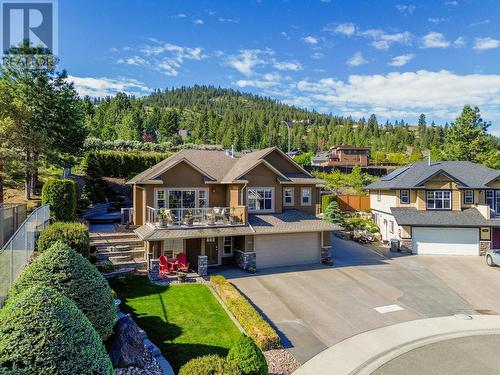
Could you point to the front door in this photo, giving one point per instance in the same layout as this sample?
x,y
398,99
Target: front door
x,y
495,236
212,251
497,200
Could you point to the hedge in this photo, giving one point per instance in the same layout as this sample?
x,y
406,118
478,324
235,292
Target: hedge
x,y
44,332
208,365
326,200
66,271
61,197
247,357
97,164
75,235
96,144
254,325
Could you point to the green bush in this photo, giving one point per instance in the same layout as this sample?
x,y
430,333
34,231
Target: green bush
x,y
208,365
259,330
334,215
247,357
97,164
359,223
75,235
61,197
43,332
326,200
66,271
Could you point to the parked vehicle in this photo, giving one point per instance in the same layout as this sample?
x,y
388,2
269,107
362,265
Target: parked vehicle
x,y
493,257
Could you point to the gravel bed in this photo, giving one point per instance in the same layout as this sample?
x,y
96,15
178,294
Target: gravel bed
x,y
151,367
281,362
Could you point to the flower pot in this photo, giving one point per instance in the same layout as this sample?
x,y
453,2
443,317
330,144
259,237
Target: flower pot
x,y
163,223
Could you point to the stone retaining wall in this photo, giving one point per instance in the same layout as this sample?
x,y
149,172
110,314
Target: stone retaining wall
x,y
245,260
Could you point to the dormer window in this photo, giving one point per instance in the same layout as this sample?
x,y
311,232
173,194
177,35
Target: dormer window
x,y
468,197
405,196
439,200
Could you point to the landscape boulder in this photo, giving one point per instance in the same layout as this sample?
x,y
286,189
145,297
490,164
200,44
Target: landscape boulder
x,y
126,346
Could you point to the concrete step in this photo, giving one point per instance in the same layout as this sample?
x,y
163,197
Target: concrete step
x,y
136,253
105,243
120,248
120,258
111,235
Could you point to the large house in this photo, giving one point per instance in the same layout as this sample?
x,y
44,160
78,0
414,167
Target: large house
x,y
256,209
449,207
347,156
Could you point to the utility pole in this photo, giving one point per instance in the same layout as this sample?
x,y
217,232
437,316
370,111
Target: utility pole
x,y
289,126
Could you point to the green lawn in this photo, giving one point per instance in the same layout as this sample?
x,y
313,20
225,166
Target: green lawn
x,y
184,321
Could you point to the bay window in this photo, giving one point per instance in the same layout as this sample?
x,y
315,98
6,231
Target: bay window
x,y
260,199
439,200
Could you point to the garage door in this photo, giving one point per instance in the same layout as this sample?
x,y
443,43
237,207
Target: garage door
x,y
275,250
446,241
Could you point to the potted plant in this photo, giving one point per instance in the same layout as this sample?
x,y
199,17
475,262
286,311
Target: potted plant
x,y
211,217
189,218
164,217
181,276
232,218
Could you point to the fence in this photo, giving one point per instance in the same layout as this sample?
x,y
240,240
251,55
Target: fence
x,y
11,217
18,250
354,202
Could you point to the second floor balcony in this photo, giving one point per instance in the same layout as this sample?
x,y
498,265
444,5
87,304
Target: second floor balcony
x,y
180,218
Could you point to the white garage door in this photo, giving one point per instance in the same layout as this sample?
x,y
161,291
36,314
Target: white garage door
x,y
446,241
275,250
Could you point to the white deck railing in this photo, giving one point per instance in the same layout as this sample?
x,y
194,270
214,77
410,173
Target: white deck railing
x,y
190,217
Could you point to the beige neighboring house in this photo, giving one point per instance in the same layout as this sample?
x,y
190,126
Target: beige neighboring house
x,y
444,208
255,210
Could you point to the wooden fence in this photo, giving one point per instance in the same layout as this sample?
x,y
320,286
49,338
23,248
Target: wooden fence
x,y
354,202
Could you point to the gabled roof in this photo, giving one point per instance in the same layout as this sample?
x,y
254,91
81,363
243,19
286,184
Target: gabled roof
x,y
220,167
465,173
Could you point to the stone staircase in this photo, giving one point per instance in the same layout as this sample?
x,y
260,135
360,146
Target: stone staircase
x,y
124,249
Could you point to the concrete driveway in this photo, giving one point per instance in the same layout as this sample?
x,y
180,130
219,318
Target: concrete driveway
x,y
316,307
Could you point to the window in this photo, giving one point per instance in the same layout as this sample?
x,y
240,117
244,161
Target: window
x,y
181,198
228,246
379,196
305,194
202,199
468,196
391,226
173,247
160,198
439,200
490,200
288,197
405,196
260,199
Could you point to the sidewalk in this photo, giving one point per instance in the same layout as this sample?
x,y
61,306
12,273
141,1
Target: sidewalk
x,y
364,353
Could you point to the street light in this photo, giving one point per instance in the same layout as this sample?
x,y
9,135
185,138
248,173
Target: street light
x,y
289,126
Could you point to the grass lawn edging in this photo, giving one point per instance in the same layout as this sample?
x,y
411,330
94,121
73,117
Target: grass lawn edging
x,y
248,317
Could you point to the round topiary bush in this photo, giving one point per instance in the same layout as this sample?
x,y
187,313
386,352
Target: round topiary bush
x,y
208,365
66,271
75,235
43,332
61,197
247,357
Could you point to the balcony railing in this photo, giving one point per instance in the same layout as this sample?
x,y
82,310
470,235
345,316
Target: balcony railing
x,y
178,218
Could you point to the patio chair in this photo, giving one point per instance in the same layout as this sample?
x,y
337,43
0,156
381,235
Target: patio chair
x,y
166,267
182,263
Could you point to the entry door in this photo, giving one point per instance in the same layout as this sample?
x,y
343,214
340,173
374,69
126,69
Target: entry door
x,y
212,251
497,202
495,238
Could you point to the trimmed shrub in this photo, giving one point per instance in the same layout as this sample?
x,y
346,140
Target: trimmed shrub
x,y
208,365
44,332
258,329
61,197
97,164
326,200
247,357
66,271
75,235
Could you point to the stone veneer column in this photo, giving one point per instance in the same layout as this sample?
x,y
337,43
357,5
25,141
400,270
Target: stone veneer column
x,y
202,265
245,259
406,245
484,246
154,269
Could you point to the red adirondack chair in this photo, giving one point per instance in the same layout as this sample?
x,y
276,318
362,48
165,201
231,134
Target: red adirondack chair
x,y
182,262
166,267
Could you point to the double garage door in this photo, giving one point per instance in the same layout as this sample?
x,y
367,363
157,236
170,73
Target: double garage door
x,y
445,241
276,250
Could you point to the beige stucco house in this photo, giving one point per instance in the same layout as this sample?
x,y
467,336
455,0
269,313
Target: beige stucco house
x,y
256,209
449,208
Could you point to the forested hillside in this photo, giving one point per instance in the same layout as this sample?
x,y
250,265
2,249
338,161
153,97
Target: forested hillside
x,y
223,116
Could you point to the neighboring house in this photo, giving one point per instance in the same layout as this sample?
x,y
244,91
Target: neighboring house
x,y
257,209
347,156
320,158
449,207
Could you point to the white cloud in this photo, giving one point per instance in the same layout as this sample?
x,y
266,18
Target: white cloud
x,y
317,55
347,29
479,23
248,59
439,94
180,15
460,42
434,40
437,21
133,60
288,65
285,35
356,60
198,21
406,9
401,60
266,81
452,3
383,40
482,44
101,87
229,20
310,40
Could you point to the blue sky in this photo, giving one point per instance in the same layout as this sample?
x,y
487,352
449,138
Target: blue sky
x,y
393,58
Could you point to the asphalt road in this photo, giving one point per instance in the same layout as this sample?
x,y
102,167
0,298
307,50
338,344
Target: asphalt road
x,y
316,307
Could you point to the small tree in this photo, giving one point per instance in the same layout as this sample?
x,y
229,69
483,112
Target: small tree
x,y
44,332
247,357
209,365
334,215
60,195
67,272
75,235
